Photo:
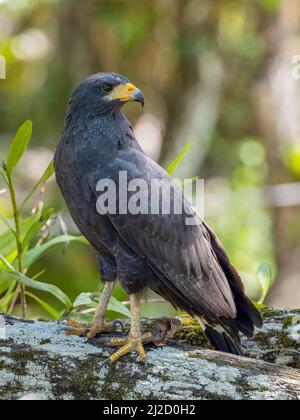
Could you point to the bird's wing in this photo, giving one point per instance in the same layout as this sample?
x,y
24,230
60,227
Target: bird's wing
x,y
180,254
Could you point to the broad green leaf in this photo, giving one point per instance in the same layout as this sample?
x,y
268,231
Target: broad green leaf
x,y
92,300
18,146
116,306
47,174
264,275
83,299
171,168
8,240
35,253
42,287
52,311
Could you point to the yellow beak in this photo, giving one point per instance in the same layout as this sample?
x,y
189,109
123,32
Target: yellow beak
x,y
126,92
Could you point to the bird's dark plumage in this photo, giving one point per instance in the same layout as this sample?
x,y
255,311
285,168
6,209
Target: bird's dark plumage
x,y
186,264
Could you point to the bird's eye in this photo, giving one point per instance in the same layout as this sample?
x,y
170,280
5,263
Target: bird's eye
x,y
107,88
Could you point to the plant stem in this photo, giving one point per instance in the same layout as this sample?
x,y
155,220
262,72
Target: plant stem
x,y
18,242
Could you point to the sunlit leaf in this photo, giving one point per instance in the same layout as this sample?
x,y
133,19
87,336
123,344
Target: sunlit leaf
x,y
43,287
18,146
6,263
264,275
47,174
10,259
171,168
52,311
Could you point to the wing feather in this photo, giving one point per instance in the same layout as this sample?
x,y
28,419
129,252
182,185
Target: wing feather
x,y
180,254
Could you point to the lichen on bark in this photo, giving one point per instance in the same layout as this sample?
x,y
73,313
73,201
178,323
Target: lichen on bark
x,y
38,361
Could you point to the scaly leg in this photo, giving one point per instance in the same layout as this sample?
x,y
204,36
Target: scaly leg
x,y
98,325
136,339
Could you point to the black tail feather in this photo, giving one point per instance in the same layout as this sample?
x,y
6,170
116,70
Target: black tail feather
x,y
222,341
248,317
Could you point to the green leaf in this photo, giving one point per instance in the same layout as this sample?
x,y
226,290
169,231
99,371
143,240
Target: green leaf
x,y
3,176
52,311
42,287
116,306
264,275
6,263
10,294
4,285
171,168
47,174
7,224
83,299
81,316
33,254
92,300
36,227
8,240
18,146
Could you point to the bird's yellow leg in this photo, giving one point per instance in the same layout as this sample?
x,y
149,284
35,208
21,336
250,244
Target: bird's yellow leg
x,y
98,325
136,339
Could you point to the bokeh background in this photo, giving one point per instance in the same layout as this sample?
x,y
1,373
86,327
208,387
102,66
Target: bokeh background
x,y
222,75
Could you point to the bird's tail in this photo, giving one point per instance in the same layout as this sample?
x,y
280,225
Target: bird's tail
x,y
221,339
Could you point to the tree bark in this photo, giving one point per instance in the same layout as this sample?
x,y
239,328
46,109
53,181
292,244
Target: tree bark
x,y
38,361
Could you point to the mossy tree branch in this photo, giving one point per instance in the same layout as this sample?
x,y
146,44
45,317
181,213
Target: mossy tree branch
x,y
37,360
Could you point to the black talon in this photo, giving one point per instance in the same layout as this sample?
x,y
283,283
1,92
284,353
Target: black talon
x,y
106,362
63,329
118,323
85,331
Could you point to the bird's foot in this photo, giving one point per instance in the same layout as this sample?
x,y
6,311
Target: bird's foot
x,y
91,330
132,343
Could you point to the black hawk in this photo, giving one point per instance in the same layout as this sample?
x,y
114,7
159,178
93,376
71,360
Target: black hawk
x,y
184,263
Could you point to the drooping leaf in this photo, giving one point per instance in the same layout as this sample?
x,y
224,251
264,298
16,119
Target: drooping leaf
x,y
264,274
116,306
52,311
35,253
46,175
18,146
84,299
43,287
171,168
91,300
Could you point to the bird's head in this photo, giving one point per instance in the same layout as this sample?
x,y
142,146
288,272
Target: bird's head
x,y
103,93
